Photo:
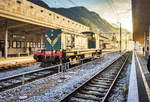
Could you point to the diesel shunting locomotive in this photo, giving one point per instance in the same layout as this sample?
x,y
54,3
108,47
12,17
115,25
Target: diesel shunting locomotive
x,y
64,47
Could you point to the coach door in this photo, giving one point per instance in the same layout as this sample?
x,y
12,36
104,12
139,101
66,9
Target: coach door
x,y
2,47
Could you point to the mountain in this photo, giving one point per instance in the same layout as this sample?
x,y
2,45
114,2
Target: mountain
x,y
86,17
83,16
40,3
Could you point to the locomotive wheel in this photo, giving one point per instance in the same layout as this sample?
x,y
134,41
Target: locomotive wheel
x,y
57,59
39,59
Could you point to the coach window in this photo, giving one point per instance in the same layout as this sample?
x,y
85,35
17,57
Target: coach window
x,y
14,44
8,44
23,44
27,45
39,45
35,44
18,44
31,44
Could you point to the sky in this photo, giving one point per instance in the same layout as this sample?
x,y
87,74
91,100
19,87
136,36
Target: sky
x,y
114,11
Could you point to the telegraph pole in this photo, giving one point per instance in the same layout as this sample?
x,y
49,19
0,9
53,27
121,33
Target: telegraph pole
x,y
120,37
126,42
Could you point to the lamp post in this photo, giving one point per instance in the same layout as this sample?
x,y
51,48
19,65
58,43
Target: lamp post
x,y
120,37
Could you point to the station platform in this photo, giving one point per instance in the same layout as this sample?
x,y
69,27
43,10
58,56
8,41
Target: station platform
x,y
14,61
139,83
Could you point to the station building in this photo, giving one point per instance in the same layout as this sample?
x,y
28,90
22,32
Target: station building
x,y
23,25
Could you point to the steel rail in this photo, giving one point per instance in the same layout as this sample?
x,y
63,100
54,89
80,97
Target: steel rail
x,y
34,71
66,99
21,76
109,90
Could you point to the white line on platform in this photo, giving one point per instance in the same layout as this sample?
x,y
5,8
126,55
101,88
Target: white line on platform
x,y
133,88
143,77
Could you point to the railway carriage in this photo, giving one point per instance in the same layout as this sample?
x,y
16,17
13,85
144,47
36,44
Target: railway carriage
x,y
19,43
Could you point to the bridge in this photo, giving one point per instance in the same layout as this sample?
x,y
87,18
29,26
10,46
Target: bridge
x,y
21,17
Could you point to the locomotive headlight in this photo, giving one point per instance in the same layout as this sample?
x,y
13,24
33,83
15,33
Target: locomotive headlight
x,y
52,35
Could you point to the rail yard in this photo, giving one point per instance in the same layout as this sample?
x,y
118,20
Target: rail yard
x,y
50,52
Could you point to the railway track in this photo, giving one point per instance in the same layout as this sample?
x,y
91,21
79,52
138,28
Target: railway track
x,y
98,87
17,66
20,79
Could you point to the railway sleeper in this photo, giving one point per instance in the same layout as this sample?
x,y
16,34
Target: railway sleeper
x,y
99,83
102,81
16,81
5,84
107,79
74,99
108,74
95,89
111,74
116,66
33,76
26,78
97,94
87,97
98,86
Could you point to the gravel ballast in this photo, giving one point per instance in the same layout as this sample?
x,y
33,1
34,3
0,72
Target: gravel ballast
x,y
55,87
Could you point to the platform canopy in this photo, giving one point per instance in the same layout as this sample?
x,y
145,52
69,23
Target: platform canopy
x,y
141,19
17,27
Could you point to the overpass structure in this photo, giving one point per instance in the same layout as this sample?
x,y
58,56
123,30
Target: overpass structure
x,y
21,17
